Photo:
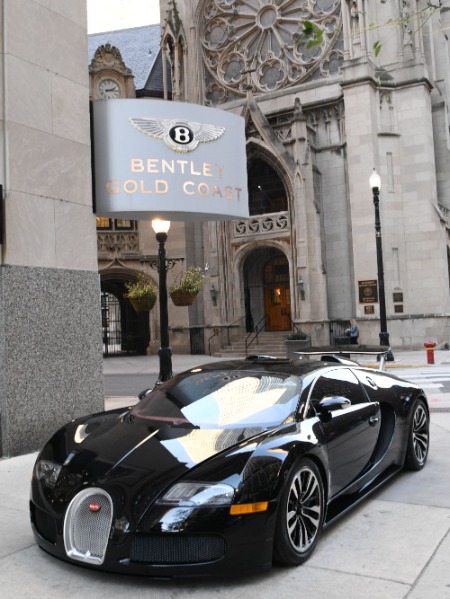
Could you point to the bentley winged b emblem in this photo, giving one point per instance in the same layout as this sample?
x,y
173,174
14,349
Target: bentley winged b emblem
x,y
181,136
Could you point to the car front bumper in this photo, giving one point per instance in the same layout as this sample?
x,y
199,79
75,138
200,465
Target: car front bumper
x,y
202,542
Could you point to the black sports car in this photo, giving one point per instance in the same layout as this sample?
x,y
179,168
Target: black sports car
x,y
227,467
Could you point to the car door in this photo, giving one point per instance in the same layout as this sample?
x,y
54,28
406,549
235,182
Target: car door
x,y
350,432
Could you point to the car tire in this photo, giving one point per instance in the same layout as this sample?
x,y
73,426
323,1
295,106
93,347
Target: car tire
x,y
300,514
418,437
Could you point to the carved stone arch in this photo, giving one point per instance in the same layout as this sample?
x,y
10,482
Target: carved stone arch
x,y
173,24
243,252
174,49
265,303
123,329
257,148
123,275
257,153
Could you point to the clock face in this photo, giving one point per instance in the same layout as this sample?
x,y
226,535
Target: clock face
x,y
108,89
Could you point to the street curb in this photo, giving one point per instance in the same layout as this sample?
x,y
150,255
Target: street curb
x,y
376,366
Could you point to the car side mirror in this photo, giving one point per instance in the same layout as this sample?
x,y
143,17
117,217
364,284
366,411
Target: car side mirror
x,y
143,394
332,403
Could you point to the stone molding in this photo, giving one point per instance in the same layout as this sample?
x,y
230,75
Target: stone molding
x,y
261,225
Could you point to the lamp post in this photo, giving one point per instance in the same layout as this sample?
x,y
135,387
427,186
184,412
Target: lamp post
x,y
162,265
375,184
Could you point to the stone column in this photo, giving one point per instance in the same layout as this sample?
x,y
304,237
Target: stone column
x,y
50,318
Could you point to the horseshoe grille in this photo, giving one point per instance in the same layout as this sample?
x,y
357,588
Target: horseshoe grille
x,y
86,532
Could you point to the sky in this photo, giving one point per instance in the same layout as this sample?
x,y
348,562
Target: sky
x,y
108,15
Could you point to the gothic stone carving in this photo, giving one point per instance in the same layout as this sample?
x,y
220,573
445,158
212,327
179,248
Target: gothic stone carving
x,y
118,243
252,42
108,57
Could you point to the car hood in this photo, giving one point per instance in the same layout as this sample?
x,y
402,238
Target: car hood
x,y
159,444
137,460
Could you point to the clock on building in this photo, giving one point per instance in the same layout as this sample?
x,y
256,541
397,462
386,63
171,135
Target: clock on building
x,y
108,89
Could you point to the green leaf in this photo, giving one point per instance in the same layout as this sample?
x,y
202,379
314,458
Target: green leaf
x,y
376,48
311,35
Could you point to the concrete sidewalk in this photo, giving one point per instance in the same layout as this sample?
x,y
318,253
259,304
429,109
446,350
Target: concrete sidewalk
x,y
395,545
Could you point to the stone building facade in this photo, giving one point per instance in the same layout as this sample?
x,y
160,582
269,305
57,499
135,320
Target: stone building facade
x,y
318,120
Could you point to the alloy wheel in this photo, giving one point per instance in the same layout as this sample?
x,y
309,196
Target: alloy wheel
x,y
420,433
304,509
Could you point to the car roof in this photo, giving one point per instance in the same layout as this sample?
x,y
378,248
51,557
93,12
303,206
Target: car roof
x,y
267,364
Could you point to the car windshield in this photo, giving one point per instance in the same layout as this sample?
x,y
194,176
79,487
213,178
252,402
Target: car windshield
x,y
222,399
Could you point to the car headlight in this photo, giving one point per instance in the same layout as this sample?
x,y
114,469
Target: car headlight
x,y
189,494
48,472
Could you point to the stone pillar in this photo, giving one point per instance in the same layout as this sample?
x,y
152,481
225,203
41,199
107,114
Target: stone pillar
x,y
50,317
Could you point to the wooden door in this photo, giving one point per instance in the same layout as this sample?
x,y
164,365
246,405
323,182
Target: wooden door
x,y
278,307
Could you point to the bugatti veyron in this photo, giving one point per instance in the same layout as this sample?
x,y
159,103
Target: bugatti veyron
x,y
226,468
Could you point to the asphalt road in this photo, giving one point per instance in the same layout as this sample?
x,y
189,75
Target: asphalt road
x,y
128,385
128,376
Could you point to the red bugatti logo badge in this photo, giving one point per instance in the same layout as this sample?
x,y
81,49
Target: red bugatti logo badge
x,y
94,506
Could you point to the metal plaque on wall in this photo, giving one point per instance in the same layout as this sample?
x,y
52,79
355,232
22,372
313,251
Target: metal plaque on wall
x,y
368,291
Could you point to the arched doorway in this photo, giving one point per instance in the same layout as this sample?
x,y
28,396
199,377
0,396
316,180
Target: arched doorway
x,y
267,290
277,295
266,191
123,329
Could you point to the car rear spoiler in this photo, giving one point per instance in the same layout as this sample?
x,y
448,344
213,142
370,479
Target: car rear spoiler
x,y
343,352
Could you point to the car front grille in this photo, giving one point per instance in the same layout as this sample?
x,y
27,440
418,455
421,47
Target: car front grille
x,y
177,549
87,525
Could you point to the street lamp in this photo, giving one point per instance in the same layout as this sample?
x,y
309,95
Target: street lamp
x,y
162,265
375,184
161,228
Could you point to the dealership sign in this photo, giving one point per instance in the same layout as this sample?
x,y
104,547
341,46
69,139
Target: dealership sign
x,y
171,160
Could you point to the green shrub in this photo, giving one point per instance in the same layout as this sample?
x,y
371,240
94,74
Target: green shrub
x,y
297,336
142,288
191,281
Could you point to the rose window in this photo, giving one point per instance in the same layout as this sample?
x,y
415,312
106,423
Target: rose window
x,y
256,43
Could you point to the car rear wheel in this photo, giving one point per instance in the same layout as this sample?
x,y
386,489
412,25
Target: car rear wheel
x,y
418,438
300,514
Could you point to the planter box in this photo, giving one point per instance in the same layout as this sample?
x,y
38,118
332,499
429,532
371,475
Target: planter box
x,y
142,304
296,345
182,298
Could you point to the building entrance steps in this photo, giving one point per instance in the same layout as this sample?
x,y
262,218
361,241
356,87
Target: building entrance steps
x,y
271,343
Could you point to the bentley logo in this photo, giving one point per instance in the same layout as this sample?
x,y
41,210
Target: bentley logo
x,y
180,136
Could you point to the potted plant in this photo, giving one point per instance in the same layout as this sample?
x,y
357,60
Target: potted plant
x,y
142,294
184,290
296,341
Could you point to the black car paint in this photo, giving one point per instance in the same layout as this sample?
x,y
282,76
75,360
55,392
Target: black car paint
x,y
114,455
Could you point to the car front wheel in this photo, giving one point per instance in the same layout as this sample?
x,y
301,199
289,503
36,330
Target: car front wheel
x,y
300,514
418,437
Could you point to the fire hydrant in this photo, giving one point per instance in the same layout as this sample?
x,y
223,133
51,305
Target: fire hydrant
x,y
429,346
